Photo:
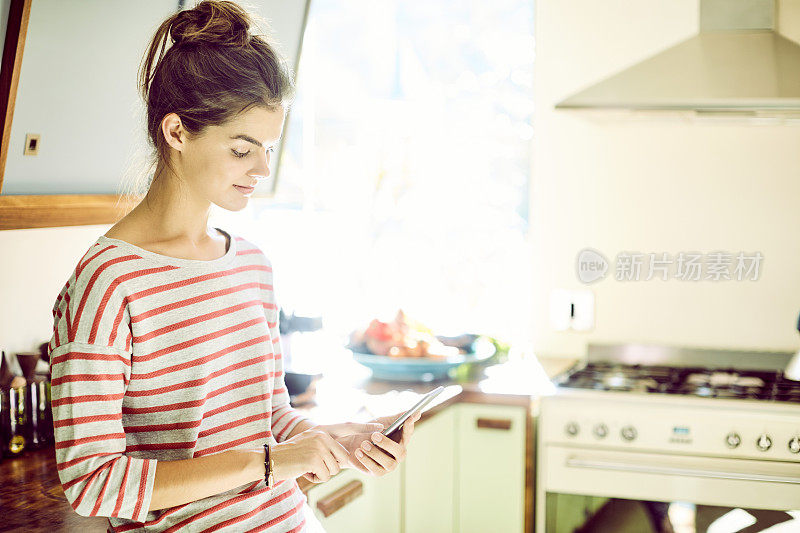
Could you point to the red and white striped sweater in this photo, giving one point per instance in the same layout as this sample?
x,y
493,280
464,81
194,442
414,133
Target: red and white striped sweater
x,y
158,358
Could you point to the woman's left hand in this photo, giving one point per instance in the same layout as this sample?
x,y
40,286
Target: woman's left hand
x,y
350,435
380,455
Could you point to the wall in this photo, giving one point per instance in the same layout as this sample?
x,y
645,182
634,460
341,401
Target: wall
x,y
80,94
657,184
36,264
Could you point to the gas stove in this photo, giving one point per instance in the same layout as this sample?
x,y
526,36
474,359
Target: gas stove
x,y
705,373
716,428
770,385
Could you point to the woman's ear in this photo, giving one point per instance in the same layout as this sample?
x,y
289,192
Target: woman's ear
x,y
172,129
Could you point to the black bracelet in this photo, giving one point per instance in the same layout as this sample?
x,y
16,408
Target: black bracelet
x,y
266,464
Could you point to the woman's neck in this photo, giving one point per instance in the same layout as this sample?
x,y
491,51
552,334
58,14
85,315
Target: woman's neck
x,y
173,213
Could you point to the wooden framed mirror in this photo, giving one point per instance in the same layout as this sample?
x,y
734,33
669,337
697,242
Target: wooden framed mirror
x,y
73,123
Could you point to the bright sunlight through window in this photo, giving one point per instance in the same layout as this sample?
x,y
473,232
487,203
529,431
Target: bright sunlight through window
x,y
404,178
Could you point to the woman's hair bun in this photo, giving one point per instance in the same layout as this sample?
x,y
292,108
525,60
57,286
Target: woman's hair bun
x,y
212,22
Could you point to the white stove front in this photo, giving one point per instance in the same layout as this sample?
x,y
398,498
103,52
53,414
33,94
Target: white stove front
x,y
666,448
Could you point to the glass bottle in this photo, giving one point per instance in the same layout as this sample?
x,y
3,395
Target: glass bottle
x,y
14,421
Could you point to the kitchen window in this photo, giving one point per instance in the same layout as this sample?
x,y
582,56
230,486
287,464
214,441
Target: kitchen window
x,y
404,177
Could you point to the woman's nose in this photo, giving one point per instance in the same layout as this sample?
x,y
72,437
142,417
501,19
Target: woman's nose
x,y
259,177
262,171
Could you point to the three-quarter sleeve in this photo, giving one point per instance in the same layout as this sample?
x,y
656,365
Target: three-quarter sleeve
x,y
98,478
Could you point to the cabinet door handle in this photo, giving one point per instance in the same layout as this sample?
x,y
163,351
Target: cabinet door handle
x,y
494,423
340,497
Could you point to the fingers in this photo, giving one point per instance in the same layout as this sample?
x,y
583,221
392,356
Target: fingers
x,y
394,449
336,448
350,444
369,464
323,463
408,428
379,455
359,465
332,466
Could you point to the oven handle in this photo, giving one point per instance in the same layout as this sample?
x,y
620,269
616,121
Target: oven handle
x,y
655,469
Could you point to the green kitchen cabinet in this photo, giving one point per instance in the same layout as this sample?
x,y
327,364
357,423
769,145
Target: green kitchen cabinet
x,y
429,489
358,503
464,473
490,468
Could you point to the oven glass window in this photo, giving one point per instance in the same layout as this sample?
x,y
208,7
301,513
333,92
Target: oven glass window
x,y
571,513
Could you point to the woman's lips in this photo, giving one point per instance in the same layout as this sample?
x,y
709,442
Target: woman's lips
x,y
244,190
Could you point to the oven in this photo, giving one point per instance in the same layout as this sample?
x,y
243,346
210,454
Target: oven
x,y
633,460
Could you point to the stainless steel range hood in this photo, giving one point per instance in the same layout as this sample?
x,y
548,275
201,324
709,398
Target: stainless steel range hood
x,y
737,64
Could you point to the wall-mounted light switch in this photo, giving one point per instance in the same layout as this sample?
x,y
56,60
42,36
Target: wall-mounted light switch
x,y
572,309
32,144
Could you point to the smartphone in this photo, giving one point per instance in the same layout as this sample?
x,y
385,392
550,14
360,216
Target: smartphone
x,y
395,430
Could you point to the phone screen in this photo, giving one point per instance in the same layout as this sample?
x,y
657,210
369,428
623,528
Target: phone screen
x,y
394,431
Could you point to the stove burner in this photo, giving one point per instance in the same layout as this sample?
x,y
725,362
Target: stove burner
x,y
725,379
710,383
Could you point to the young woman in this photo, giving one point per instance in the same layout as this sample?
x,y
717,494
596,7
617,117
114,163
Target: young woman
x,y
167,381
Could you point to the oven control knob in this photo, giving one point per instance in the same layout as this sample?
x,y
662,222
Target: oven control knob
x,y
733,440
628,433
764,443
794,445
571,429
600,431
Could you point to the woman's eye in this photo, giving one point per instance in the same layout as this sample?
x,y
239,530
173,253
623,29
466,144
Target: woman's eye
x,y
240,154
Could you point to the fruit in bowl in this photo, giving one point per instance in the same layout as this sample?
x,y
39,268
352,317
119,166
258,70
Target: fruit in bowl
x,y
401,337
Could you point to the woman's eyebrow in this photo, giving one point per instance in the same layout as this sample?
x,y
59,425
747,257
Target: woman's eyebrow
x,y
249,139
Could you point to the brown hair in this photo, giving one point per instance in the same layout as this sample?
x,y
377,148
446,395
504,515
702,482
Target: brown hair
x,y
215,68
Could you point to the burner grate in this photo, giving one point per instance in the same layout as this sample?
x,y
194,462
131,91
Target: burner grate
x,y
711,383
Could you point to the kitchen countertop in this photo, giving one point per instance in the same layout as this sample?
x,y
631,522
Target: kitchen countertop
x,y
31,492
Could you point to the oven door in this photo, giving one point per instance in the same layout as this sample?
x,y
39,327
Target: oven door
x,y
581,483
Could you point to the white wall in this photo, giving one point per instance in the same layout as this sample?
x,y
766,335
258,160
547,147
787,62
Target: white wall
x,y
34,267
661,184
80,94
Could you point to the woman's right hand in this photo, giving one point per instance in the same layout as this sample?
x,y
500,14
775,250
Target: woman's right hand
x,y
313,452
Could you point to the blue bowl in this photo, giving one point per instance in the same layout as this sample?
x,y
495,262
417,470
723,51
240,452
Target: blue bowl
x,y
422,368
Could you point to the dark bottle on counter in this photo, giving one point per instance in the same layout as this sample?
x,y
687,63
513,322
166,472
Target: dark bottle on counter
x,y
3,438
14,421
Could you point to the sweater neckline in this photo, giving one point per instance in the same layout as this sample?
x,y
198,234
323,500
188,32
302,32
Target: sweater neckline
x,y
224,260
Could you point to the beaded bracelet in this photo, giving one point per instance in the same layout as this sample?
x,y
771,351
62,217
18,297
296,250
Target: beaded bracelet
x,y
269,478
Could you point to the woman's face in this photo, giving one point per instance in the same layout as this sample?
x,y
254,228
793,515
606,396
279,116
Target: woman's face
x,y
225,162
